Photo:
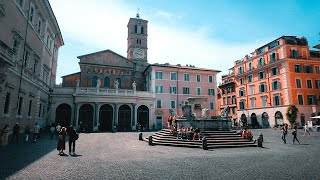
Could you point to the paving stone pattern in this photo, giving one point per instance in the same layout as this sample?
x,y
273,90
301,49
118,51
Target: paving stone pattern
x,y
123,156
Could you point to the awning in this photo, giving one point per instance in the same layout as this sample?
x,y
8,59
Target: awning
x,y
316,117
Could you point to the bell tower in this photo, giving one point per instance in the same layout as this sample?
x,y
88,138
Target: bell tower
x,y
137,50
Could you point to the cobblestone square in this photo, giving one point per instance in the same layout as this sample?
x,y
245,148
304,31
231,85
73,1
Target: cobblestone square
x,y
123,156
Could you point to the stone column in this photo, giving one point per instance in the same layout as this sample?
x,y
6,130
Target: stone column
x,y
115,115
96,116
133,119
75,114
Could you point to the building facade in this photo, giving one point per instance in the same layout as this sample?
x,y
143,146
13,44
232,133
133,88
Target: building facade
x,y
174,84
112,91
282,72
30,39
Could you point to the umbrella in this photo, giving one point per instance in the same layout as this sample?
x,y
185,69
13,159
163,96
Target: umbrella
x,y
316,117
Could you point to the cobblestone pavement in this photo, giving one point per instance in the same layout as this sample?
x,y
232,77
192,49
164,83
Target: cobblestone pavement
x,y
122,156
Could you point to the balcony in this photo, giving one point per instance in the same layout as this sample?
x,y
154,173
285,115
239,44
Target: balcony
x,y
6,54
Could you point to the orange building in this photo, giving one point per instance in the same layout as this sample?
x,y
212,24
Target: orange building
x,y
282,72
227,95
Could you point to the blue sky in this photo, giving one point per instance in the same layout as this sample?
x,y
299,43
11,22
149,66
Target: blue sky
x,y
209,34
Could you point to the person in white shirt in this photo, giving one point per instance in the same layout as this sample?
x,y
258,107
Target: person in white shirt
x,y
36,131
306,130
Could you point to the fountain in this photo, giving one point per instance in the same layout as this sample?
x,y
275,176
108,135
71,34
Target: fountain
x,y
197,117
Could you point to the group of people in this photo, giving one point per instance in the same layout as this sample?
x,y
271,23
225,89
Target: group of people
x,y
73,136
4,133
185,133
284,130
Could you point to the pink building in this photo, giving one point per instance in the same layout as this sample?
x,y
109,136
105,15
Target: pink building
x,y
173,84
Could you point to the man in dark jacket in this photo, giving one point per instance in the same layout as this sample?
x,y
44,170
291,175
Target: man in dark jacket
x,y
73,136
15,133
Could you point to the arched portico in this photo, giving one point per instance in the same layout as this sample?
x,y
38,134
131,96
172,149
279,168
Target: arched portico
x,y
63,115
86,113
124,118
105,117
143,116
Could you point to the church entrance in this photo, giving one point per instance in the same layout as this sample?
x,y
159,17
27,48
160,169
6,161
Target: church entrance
x,y
265,120
278,118
63,115
124,118
86,116
105,117
143,116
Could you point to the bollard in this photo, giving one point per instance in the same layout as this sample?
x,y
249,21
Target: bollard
x,y
140,137
150,141
204,143
259,141
261,135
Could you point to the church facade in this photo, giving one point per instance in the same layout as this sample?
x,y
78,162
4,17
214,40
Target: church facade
x,y
115,91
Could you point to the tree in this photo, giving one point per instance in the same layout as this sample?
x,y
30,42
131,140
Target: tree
x,y
292,114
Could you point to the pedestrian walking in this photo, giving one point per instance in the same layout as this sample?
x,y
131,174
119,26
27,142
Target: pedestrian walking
x,y
52,131
62,141
15,133
284,130
27,133
36,131
58,129
73,136
294,133
306,130
4,135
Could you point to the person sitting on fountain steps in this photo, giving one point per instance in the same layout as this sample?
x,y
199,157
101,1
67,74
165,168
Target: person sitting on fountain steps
x,y
196,133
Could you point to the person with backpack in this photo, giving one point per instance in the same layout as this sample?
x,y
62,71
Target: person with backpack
x,y
73,136
294,133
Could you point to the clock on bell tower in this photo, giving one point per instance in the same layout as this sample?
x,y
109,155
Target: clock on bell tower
x,y
137,39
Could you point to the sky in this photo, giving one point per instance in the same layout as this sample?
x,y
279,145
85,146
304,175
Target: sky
x,y
208,34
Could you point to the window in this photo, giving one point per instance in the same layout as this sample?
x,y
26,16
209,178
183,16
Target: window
x,y
300,99
185,90
275,85
241,104
317,83
261,75
317,69
308,69
173,104
273,57
198,77
142,31
293,53
261,62
228,100
210,79
263,101
21,3
26,58
29,110
251,90
39,26
159,104
297,68
173,90
262,88
107,82
135,29
252,102
249,78
211,105
7,103
186,77
240,80
211,92
40,109
274,71
94,81
15,47
159,89
298,83
198,91
31,17
158,75
276,100
273,44
250,66
173,76
311,99
241,92
233,99
20,105
309,83
240,70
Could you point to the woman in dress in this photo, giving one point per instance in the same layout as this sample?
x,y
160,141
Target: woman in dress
x,y
62,141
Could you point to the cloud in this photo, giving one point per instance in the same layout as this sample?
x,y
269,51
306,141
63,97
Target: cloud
x,y
102,25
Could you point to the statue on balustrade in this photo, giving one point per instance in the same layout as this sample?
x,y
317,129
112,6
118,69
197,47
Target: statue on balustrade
x,y
78,82
134,86
98,83
116,84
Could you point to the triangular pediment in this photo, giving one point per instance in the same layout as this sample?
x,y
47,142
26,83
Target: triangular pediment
x,y
106,58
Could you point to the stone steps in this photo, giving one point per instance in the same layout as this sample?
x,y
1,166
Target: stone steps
x,y
215,139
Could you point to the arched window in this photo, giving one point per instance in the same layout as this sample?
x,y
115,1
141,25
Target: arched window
x,y
140,41
119,81
250,66
137,41
135,29
107,82
94,81
142,30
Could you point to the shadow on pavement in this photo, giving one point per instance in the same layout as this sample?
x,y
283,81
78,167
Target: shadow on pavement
x,y
15,157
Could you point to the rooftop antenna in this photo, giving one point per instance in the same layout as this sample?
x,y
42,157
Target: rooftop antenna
x,y
138,16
